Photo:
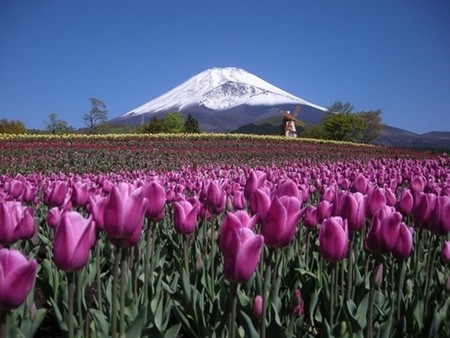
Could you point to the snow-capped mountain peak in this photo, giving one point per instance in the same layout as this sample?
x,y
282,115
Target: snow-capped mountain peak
x,y
219,89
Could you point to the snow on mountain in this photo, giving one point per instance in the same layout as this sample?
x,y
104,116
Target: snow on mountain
x,y
220,89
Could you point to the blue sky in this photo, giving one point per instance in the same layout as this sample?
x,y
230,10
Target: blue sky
x,y
388,55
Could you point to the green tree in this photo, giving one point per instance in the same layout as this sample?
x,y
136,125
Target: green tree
x,y
155,126
174,123
372,125
12,127
96,116
343,127
191,125
57,126
340,107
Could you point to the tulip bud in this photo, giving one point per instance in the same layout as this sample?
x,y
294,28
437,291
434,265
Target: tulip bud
x,y
199,263
156,201
377,275
257,306
445,252
185,216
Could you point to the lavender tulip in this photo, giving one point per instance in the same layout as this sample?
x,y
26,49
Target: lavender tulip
x,y
17,277
333,239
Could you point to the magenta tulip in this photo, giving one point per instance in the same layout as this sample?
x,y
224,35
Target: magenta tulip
x,y
185,216
418,183
255,180
234,220
16,222
58,193
288,188
241,258
17,277
260,203
405,202
80,194
54,217
310,217
213,196
74,238
354,210
333,239
403,245
384,230
360,184
280,224
156,201
440,218
124,211
423,209
376,199
445,251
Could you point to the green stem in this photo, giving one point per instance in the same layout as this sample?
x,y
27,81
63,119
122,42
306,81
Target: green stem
x,y
233,306
147,262
123,274
3,329
400,281
114,294
350,269
430,271
71,291
265,295
80,291
186,253
99,281
369,318
213,248
332,294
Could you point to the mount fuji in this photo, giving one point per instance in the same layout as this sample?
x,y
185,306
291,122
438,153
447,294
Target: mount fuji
x,y
222,100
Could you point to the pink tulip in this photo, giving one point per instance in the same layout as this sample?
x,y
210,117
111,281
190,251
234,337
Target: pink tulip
x,y
333,239
16,222
29,192
16,188
288,188
74,238
241,258
185,216
418,183
280,225
423,209
257,306
54,217
445,251
234,220
17,277
123,211
156,201
238,200
213,196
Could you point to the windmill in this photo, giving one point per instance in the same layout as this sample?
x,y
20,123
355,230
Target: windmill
x,y
289,122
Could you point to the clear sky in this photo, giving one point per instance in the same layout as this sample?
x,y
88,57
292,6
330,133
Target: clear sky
x,y
383,54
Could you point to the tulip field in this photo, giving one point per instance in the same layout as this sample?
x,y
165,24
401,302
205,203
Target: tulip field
x,y
221,236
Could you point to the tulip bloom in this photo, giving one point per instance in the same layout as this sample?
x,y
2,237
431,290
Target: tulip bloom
x,y
440,218
384,230
310,217
280,225
255,180
257,306
360,184
234,220
17,277
241,258
57,195
445,252
123,211
333,239
403,245
260,203
185,216
16,222
156,201
376,199
354,210
405,202
80,194
74,238
213,196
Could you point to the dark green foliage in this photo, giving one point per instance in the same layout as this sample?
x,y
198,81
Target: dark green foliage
x,y
191,126
12,127
57,126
